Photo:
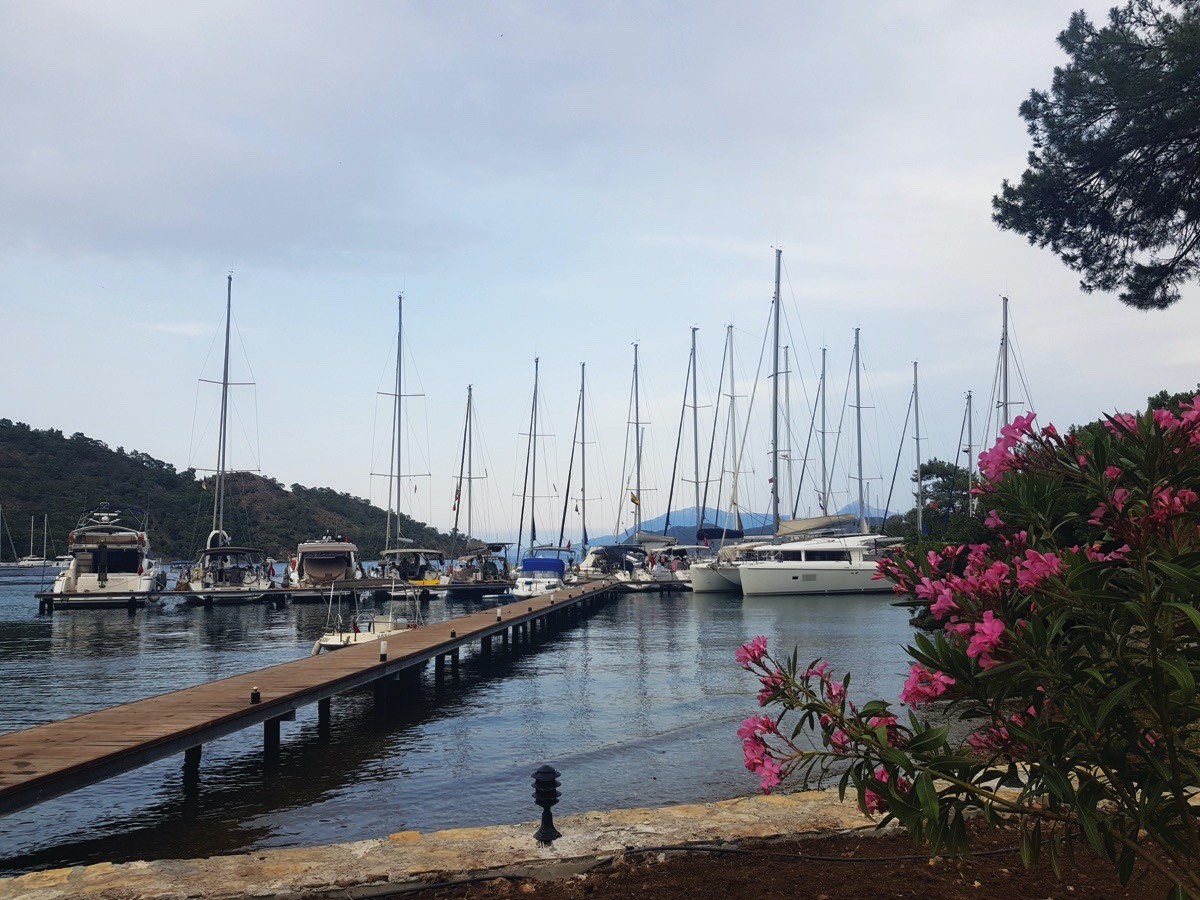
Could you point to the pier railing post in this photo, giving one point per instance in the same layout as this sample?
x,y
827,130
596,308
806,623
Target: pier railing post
x,y
271,737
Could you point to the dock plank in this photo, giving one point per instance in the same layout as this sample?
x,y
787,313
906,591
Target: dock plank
x,y
48,760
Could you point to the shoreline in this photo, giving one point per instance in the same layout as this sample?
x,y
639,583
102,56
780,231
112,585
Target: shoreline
x,y
412,858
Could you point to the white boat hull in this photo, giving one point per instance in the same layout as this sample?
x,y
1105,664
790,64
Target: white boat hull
x,y
535,587
708,578
766,578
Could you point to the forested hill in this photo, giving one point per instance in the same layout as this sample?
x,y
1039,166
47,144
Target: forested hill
x,y
47,472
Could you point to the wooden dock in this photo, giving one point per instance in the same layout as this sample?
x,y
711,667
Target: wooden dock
x,y
46,761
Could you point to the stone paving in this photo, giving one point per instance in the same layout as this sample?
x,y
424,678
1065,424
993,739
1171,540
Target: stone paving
x,y
411,857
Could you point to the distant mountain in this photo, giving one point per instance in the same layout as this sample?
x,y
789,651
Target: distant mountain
x,y
684,524
45,472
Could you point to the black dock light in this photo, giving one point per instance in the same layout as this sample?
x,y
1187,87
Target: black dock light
x,y
453,633
545,795
531,609
383,651
255,696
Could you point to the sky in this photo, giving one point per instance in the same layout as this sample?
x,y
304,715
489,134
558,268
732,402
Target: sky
x,y
542,180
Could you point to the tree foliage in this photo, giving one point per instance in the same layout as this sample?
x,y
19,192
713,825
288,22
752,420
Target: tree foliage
x,y
1113,184
43,472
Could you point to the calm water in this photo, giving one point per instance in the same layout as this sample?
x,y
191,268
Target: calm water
x,y
636,705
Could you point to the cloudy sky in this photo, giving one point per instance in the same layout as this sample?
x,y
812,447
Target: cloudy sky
x,y
540,180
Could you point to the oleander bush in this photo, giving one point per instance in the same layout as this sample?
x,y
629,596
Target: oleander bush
x,y
1061,686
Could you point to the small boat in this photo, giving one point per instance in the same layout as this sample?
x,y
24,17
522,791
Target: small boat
x,y
620,562
328,565
362,626
543,571
110,562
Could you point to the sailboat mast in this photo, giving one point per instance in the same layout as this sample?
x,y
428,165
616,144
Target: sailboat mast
x,y
1004,404
219,500
695,432
775,402
824,466
862,512
45,532
787,419
637,443
533,451
470,455
462,464
583,452
917,441
970,457
733,431
399,404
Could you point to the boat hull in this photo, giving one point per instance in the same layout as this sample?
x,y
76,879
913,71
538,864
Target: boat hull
x,y
712,579
768,578
99,601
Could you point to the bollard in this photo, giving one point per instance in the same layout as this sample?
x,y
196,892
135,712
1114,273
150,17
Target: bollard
x,y
383,651
545,795
255,696
453,633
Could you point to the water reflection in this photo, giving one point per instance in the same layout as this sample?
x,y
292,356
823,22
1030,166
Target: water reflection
x,y
635,705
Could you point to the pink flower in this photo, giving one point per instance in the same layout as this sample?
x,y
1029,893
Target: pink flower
x,y
1119,496
753,726
1121,424
877,803
1165,419
818,671
993,520
835,692
1113,472
771,685
944,605
769,774
839,741
888,723
751,652
754,751
985,639
1036,568
924,686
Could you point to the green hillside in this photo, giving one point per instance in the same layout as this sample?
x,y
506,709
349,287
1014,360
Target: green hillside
x,y
46,472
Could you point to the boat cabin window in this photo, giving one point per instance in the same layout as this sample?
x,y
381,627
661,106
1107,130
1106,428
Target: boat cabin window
x,y
117,562
828,556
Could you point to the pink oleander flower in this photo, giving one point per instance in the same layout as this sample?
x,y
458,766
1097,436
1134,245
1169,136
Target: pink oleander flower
x,y
985,639
1165,419
1119,496
753,726
993,739
1096,554
754,751
751,652
1121,423
993,520
770,686
888,723
818,671
924,686
1035,568
877,803
839,741
769,774
1050,431
1113,472
962,629
835,692
943,605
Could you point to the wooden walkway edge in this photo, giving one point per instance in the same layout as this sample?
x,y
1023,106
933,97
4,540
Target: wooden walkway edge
x,y
46,761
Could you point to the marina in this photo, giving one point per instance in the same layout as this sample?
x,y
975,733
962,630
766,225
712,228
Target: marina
x,y
629,703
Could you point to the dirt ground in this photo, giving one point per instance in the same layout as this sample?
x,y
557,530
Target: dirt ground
x,y
774,870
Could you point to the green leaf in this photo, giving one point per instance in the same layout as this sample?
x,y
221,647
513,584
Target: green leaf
x,y
927,794
928,739
1114,698
1183,677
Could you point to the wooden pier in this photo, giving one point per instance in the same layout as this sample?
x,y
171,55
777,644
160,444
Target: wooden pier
x,y
46,761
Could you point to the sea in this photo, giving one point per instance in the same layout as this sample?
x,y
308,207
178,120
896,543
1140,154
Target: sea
x,y
637,704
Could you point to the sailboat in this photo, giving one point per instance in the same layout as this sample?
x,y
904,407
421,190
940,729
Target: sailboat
x,y
224,574
544,570
481,571
822,565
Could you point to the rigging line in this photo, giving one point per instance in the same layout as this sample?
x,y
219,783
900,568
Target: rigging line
x,y
562,525
887,507
812,425
687,383
787,323
525,483
625,463
954,475
800,321
753,394
994,399
1019,359
841,422
713,440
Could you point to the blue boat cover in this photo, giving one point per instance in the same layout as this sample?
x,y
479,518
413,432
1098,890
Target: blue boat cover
x,y
543,564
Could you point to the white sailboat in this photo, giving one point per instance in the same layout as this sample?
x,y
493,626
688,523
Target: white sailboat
x,y
224,574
